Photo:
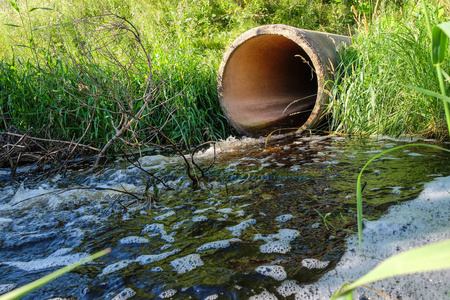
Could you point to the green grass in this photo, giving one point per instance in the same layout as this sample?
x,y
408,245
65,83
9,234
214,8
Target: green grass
x,y
186,41
370,96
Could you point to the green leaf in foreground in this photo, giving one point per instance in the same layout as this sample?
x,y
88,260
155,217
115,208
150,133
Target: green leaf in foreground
x,y
429,93
427,258
44,8
358,183
12,25
439,43
14,5
22,291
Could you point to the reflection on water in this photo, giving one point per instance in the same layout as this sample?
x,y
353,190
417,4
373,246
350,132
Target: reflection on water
x,y
265,218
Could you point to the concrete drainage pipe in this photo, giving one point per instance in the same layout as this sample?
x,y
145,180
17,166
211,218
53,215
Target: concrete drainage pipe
x,y
274,76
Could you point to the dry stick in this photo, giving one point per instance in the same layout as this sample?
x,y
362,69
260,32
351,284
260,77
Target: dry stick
x,y
198,167
139,166
118,134
49,140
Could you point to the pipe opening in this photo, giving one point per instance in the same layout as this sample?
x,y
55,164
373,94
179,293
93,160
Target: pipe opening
x,y
269,82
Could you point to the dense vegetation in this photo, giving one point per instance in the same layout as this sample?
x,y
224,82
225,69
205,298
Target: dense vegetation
x,y
136,71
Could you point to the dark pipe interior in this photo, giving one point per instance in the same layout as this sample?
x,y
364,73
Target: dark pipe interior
x,y
265,81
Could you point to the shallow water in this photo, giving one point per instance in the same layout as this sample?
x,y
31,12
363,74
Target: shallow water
x,y
264,216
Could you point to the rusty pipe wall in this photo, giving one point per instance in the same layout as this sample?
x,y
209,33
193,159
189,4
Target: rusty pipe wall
x,y
274,76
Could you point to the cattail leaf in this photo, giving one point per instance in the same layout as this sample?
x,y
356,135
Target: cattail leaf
x,y
439,42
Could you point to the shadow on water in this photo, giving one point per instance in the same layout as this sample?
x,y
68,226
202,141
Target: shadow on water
x,y
265,215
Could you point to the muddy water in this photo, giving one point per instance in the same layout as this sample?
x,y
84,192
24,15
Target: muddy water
x,y
264,216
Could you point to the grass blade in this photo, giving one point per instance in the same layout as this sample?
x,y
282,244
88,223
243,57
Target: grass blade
x,y
44,8
358,183
14,5
429,93
22,291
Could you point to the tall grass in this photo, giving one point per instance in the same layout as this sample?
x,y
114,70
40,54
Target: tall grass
x,y
186,41
369,96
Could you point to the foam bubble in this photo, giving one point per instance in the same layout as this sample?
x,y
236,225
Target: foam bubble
x,y
158,228
288,287
4,288
186,263
237,229
167,294
5,222
166,215
116,266
312,263
125,294
133,240
212,297
276,272
50,262
218,244
148,259
200,218
199,211
277,243
264,296
284,218
225,210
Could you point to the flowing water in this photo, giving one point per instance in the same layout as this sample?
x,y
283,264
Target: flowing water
x,y
262,217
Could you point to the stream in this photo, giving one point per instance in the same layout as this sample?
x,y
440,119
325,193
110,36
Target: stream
x,y
263,216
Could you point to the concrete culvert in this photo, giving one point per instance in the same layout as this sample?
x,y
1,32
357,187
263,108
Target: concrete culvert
x,y
274,76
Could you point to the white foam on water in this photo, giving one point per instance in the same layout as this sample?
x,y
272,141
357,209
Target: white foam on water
x,y
264,296
158,161
116,266
277,243
4,288
134,240
312,263
288,287
284,218
237,229
5,222
186,263
53,260
25,197
415,154
225,210
212,297
178,224
422,221
158,228
151,258
218,244
276,272
200,218
167,294
166,215
125,294
200,211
